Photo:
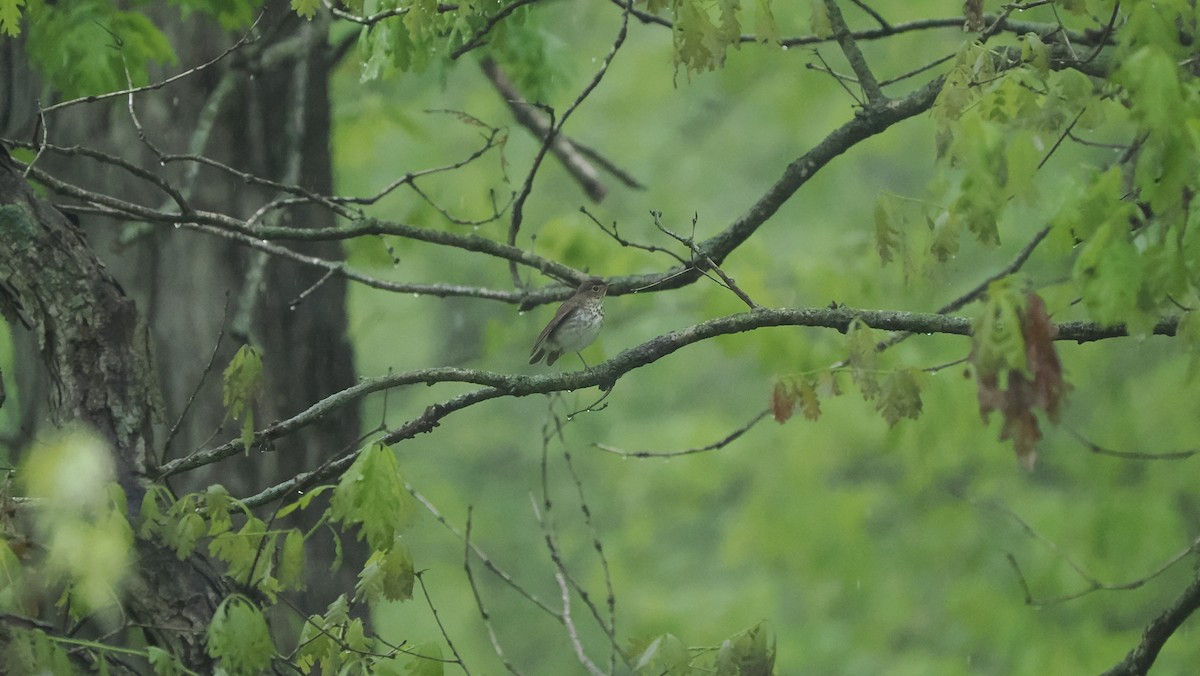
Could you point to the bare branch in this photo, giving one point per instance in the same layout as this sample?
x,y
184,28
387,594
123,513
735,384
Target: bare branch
x,y
441,627
245,39
716,445
602,375
483,613
866,79
1094,584
869,122
1133,455
1139,660
536,122
518,212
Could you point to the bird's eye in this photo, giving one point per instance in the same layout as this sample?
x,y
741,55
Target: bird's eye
x,y
596,287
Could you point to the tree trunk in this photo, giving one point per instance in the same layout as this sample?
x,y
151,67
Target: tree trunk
x,y
264,111
95,348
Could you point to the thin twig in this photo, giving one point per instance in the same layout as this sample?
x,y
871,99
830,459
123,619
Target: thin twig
x,y
441,627
1142,656
478,39
245,39
716,445
702,261
518,210
845,39
1093,583
560,576
540,125
208,367
1132,455
483,613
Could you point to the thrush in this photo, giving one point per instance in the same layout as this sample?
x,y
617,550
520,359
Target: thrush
x,y
575,325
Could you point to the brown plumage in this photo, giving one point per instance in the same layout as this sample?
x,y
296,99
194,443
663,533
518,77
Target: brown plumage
x,y
576,324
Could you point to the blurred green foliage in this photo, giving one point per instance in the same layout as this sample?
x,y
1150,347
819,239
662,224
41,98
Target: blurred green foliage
x,y
867,548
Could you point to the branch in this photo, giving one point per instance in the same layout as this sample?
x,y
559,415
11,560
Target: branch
x,y
841,32
869,122
479,38
1139,660
245,39
602,375
888,30
519,203
528,116
378,16
716,445
257,238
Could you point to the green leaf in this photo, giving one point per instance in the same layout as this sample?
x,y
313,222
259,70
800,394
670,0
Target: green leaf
x,y
245,548
306,8
765,26
303,502
291,560
85,47
886,235
12,572
665,656
694,35
217,502
1035,52
31,651
1109,274
238,636
243,383
164,663
187,532
999,345
150,514
372,494
10,17
748,653
317,646
862,360
900,396
427,661
387,575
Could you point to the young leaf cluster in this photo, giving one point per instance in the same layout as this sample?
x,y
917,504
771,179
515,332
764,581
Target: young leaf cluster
x,y
1017,366
750,652
703,32
895,392
243,383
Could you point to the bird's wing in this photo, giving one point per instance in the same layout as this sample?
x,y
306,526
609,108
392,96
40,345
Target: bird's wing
x,y
564,311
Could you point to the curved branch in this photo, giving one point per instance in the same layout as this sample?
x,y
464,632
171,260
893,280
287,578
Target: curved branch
x,y
868,123
603,375
888,30
1139,660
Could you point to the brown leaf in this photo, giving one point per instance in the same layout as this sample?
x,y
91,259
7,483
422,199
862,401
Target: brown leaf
x,y
973,15
1049,389
783,402
1020,395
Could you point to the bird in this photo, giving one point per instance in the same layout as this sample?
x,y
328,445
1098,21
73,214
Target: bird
x,y
576,324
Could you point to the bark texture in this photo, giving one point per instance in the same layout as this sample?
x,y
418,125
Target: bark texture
x,y
94,346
